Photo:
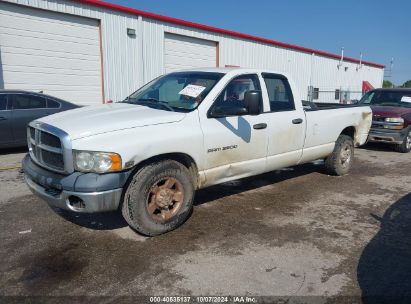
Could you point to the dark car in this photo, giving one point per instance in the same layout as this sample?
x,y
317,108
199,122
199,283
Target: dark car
x,y
18,108
391,117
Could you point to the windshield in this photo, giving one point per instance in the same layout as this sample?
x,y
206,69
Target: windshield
x,y
182,91
388,98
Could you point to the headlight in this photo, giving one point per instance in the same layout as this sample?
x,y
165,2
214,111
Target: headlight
x,y
99,162
396,119
394,123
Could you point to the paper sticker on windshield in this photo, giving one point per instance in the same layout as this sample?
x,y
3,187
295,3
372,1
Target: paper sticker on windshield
x,y
406,99
192,90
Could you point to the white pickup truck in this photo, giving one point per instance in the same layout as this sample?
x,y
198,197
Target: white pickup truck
x,y
184,131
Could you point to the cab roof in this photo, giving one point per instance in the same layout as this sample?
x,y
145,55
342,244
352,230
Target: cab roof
x,y
231,70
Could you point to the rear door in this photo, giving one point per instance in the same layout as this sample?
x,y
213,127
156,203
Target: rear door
x,y
286,123
6,134
26,107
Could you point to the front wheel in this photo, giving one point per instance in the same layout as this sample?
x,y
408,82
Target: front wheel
x,y
159,198
405,146
340,161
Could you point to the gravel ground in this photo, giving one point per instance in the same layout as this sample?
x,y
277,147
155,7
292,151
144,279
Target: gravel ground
x,y
293,232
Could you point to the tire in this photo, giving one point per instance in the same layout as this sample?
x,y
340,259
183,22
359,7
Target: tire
x,y
405,147
340,161
158,198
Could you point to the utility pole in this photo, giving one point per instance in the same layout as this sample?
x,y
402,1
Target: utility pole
x,y
388,72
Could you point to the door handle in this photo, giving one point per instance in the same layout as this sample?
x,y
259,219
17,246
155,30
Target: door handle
x,y
3,118
297,121
260,126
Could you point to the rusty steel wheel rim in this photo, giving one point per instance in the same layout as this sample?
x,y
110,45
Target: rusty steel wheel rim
x,y
345,155
165,199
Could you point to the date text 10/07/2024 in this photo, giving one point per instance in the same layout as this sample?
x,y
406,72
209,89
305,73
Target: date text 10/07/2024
x,y
203,299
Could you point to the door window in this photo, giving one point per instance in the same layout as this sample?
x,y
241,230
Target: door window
x,y
26,101
279,93
52,104
233,94
3,102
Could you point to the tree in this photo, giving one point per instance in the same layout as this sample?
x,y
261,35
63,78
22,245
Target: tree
x,y
407,84
387,84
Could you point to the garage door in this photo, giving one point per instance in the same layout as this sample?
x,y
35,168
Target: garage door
x,y
58,54
182,52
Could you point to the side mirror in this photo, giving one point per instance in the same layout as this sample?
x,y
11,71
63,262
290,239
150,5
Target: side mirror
x,y
253,102
221,111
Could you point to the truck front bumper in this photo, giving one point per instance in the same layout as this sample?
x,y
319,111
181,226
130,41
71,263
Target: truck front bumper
x,y
387,136
78,192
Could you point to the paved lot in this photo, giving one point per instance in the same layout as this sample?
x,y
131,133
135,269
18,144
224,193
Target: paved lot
x,y
290,232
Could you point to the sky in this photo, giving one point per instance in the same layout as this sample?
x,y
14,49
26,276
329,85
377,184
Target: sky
x,y
381,30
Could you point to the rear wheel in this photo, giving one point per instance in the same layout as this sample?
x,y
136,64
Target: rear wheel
x,y
405,147
159,198
340,161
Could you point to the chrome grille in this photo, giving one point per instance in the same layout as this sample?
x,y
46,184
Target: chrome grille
x,y
50,140
32,132
53,160
46,149
378,118
378,122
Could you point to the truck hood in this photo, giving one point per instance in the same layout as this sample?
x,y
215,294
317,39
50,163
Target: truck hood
x,y
386,111
93,120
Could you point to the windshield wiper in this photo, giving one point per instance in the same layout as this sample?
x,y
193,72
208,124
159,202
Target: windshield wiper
x,y
153,101
128,100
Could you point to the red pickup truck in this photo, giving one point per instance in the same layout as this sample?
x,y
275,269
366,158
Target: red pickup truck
x,y
391,117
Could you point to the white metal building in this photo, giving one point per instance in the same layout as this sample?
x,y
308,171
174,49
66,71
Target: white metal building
x,y
90,52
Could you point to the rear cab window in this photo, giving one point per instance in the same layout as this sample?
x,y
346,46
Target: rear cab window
x,y
279,92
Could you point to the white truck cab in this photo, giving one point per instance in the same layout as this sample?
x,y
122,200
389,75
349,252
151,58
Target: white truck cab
x,y
183,131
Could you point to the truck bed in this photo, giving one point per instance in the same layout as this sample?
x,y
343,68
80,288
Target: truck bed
x,y
318,106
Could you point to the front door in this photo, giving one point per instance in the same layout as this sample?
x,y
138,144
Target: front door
x,y
236,145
